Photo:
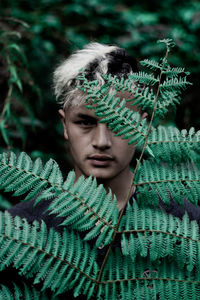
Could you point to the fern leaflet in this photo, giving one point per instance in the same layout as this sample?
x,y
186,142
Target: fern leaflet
x,y
151,64
29,249
161,181
144,78
114,112
178,83
173,146
25,292
123,279
80,201
149,231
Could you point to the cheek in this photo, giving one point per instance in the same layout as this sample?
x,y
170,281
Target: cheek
x,y
124,150
129,153
78,142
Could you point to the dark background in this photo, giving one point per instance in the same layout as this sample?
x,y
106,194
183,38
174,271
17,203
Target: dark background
x,y
36,35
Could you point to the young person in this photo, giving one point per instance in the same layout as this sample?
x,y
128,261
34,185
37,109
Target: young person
x,y
94,147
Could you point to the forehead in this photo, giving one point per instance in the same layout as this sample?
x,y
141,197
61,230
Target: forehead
x,y
72,109
78,111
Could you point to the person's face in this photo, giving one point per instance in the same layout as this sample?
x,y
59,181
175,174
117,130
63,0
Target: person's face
x,y
95,149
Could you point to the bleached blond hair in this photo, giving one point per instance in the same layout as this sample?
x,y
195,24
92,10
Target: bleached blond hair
x,y
95,59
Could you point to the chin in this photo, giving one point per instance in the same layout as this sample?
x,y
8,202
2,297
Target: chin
x,y
101,174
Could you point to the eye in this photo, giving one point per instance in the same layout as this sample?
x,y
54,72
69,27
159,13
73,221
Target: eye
x,y
86,123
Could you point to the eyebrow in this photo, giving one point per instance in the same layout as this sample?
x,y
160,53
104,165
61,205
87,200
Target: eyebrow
x,y
85,116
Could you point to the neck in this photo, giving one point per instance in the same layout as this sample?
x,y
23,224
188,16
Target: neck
x,y
121,186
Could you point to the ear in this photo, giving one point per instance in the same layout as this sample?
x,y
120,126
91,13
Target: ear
x,y
63,120
144,115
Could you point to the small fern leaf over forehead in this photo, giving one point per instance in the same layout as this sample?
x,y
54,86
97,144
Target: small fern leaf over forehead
x,y
59,261
113,111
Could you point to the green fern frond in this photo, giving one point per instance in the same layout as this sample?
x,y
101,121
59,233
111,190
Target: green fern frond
x,y
169,43
174,146
149,231
171,71
21,175
175,83
166,101
159,256
144,97
18,293
158,289
81,205
151,64
123,279
156,181
120,84
111,110
80,202
140,96
128,124
144,78
62,261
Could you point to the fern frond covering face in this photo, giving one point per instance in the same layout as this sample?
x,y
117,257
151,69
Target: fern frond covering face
x,y
94,147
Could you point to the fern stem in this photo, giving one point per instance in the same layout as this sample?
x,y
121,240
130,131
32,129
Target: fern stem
x,y
168,180
132,185
50,255
152,116
59,188
158,231
15,20
149,279
111,244
171,141
7,100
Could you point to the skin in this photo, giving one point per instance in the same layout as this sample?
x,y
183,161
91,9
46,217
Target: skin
x,y
97,151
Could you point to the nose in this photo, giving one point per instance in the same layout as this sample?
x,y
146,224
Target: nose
x,y
102,137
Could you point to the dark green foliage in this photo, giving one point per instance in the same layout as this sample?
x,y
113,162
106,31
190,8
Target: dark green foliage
x,y
14,101
83,208
4,203
58,260
123,279
25,291
149,232
160,181
158,254
172,145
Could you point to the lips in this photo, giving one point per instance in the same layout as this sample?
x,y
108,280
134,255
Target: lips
x,y
101,157
100,160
